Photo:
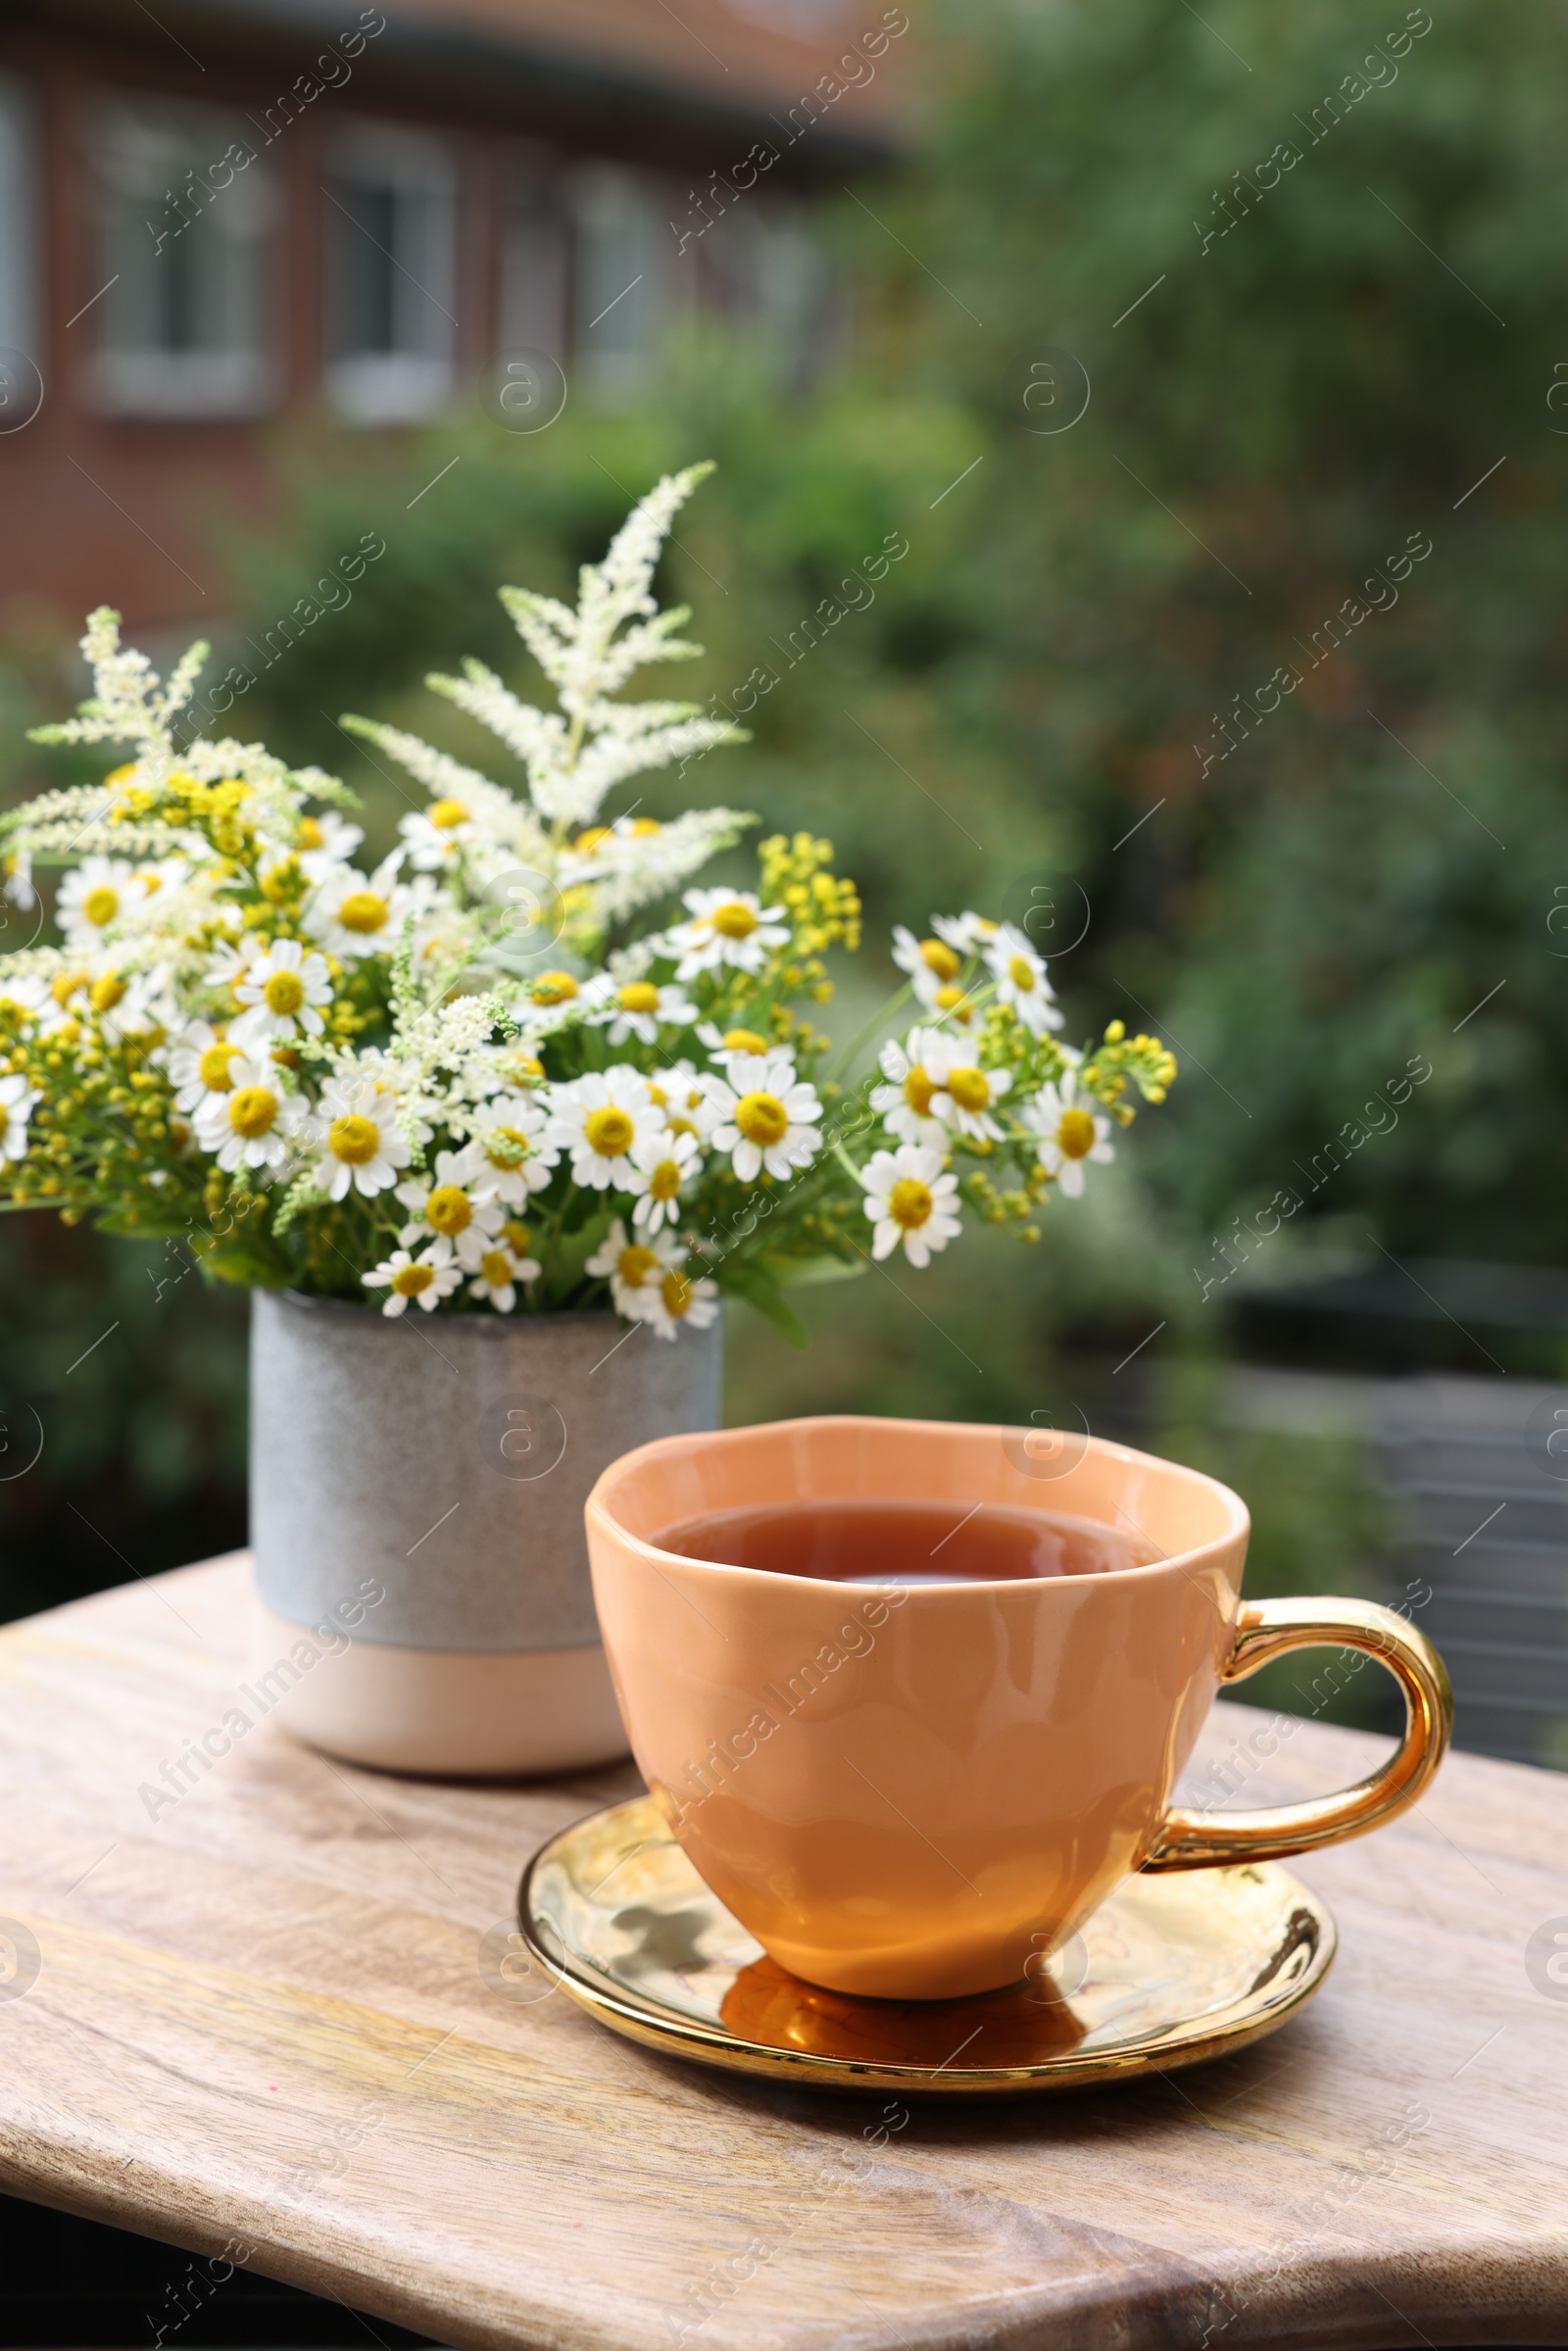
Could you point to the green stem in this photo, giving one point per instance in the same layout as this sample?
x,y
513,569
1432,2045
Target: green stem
x,y
847,1056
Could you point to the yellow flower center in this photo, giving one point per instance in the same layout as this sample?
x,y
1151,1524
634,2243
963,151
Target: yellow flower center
x,y
938,957
410,1279
761,1119
634,1265
968,1088
664,1182
448,1208
279,880
1076,1134
353,1140
733,921
638,996
123,775
910,1202
102,904
586,843
66,986
918,1091
150,881
518,1236
609,1131
495,1267
744,1041
642,826
552,988
252,1111
1021,974
656,1094
681,1126
363,911
676,1292
523,1069
311,834
951,1000
212,1067
506,1147
106,993
445,814
284,992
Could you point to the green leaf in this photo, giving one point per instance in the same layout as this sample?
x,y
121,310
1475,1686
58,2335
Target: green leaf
x,y
795,1273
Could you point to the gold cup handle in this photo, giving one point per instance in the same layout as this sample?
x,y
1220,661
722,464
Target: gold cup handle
x,y
1267,1629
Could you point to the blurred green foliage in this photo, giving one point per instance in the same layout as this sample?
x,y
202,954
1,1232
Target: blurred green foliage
x,y
1290,380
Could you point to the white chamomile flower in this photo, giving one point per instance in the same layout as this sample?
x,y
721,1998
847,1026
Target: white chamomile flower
x,y
680,1090
909,1199
963,1094
721,1043
966,934
443,1203
906,1101
325,841
1070,1132
95,894
353,917
434,836
39,1001
599,1118
678,1299
931,963
18,1101
200,1061
662,1164
513,1157
430,1279
500,1272
232,964
634,1269
253,1122
769,1115
728,929
637,1008
357,1128
280,993
1021,982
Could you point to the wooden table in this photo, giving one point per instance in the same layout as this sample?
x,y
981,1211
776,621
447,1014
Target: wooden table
x,y
262,2030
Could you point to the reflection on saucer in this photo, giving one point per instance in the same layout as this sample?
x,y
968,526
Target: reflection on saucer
x,y
767,2005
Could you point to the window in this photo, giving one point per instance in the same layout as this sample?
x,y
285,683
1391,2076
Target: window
x,y
19,228
188,214
624,287
391,219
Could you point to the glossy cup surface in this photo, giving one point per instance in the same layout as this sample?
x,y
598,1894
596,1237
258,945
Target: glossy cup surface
x,y
912,1793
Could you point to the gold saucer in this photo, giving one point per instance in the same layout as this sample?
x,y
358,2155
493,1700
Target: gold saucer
x,y
1172,1969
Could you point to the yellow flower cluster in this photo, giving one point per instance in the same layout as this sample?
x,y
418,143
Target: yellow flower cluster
x,y
1150,1064
823,907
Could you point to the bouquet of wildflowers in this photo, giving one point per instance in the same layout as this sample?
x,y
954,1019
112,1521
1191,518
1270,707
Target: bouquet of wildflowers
x,y
523,1063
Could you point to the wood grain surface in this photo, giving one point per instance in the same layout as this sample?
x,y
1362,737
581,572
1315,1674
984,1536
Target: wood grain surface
x,y
266,2025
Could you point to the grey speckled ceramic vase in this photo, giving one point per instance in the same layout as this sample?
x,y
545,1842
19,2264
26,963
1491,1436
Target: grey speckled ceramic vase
x,y
417,1518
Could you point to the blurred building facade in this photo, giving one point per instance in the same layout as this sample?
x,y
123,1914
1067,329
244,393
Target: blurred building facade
x,y
241,216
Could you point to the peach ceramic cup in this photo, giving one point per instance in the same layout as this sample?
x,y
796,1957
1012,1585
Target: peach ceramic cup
x,y
916,1792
